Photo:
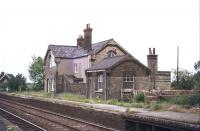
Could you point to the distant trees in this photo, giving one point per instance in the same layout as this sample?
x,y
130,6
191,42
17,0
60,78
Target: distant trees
x,y
36,72
185,80
16,83
188,80
197,75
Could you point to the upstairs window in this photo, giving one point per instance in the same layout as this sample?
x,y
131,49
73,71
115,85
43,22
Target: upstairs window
x,y
50,64
111,53
51,61
100,82
75,67
128,81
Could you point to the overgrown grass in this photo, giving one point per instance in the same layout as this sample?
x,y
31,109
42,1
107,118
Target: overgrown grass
x,y
40,93
139,97
72,97
189,100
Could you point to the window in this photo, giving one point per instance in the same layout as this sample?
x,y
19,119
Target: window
x,y
50,64
111,53
52,84
128,81
51,61
75,67
100,82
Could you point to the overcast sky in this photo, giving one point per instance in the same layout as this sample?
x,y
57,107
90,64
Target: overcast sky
x,y
28,27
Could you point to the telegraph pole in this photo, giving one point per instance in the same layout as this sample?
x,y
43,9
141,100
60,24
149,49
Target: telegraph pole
x,y
177,73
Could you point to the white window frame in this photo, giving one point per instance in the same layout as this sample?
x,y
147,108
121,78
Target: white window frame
x,y
51,61
127,78
52,84
75,67
100,82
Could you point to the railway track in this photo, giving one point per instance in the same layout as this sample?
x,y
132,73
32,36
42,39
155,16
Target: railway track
x,y
20,122
48,120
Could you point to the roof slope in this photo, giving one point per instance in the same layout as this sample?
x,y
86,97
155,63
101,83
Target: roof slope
x,y
5,75
110,62
107,62
62,51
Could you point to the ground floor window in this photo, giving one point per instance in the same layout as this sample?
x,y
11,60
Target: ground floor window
x,y
128,81
52,84
100,82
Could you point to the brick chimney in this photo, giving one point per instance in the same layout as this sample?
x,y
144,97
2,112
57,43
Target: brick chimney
x,y
152,60
87,38
80,41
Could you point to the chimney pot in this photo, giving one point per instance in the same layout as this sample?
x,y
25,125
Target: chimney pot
x,y
154,51
87,26
150,52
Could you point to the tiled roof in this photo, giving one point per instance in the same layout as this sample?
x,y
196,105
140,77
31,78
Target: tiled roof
x,y
63,51
110,62
67,51
107,62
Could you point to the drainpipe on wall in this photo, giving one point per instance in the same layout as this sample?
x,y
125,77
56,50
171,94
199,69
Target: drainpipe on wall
x,y
57,61
105,85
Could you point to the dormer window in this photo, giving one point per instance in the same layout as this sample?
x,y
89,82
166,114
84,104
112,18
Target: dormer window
x,y
111,53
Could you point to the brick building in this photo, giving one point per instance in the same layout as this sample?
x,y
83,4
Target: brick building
x,y
103,69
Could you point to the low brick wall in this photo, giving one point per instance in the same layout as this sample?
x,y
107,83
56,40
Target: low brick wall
x,y
165,94
76,88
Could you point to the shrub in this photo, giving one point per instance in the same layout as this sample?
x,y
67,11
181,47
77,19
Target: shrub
x,y
139,97
190,100
36,88
156,106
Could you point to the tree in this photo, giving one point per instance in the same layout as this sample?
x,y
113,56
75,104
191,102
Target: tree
x,y
197,75
197,66
17,83
36,72
186,80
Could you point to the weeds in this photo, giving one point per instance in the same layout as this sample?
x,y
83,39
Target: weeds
x,y
139,97
190,100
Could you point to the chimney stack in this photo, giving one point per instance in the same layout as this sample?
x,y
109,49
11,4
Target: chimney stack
x,y
88,38
80,41
86,41
152,60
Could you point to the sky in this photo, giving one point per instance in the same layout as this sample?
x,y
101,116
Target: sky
x,y
27,27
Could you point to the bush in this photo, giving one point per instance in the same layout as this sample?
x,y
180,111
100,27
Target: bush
x,y
190,100
156,106
36,88
139,97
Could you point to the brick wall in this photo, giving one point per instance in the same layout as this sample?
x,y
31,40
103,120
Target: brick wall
x,y
103,53
75,88
115,80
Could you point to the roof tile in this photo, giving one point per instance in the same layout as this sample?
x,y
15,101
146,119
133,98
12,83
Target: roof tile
x,y
74,51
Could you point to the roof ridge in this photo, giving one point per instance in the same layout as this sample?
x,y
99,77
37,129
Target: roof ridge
x,y
63,45
76,46
103,41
